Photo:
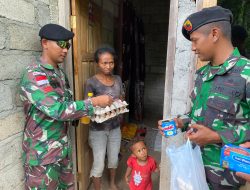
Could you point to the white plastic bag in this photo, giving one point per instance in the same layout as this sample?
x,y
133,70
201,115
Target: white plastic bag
x,y
187,169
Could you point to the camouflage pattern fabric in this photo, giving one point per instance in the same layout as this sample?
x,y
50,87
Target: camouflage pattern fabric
x,y
56,176
48,105
221,101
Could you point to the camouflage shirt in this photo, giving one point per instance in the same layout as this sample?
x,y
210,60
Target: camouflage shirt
x,y
221,101
48,104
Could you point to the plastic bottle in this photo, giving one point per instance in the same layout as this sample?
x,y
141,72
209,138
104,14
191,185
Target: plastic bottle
x,y
86,119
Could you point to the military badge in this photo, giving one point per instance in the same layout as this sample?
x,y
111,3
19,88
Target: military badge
x,y
47,89
188,25
41,80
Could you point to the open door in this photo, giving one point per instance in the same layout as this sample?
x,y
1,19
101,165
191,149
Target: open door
x,y
86,24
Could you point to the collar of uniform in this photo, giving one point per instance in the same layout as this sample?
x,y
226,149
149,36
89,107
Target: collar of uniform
x,y
45,64
225,67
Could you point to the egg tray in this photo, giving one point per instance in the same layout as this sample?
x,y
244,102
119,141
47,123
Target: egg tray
x,y
103,114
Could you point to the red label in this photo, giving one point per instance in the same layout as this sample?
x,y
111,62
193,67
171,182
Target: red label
x,y
168,128
38,78
240,151
227,152
47,89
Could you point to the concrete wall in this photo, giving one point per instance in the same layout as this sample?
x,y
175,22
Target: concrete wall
x,y
20,21
110,13
155,17
179,77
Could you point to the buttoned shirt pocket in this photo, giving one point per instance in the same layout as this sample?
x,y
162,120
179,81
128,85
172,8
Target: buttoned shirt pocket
x,y
223,104
219,109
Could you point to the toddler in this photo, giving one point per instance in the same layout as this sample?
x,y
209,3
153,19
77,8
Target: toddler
x,y
140,167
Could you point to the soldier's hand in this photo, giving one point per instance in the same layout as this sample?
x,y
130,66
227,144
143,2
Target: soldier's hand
x,y
244,176
245,145
203,135
160,128
178,122
102,100
240,174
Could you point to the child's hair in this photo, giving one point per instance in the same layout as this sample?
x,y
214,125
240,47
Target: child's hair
x,y
133,142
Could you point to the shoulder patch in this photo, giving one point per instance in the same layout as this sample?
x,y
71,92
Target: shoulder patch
x,y
47,89
38,73
41,80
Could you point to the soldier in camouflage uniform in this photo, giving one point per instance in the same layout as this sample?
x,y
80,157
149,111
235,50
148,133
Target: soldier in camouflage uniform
x,y
48,105
220,109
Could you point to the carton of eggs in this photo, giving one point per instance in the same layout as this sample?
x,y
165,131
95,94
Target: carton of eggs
x,y
116,108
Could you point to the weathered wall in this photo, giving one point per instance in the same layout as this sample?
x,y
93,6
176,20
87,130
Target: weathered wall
x,y
110,13
20,21
179,77
109,25
155,18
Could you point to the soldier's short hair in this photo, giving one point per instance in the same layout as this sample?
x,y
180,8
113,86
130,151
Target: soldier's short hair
x,y
224,26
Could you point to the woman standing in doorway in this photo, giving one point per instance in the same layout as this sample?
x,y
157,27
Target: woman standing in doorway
x,y
105,137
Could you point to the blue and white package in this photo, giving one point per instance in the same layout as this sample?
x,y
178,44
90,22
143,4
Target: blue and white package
x,y
169,128
235,158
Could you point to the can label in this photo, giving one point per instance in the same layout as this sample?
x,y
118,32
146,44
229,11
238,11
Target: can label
x,y
169,128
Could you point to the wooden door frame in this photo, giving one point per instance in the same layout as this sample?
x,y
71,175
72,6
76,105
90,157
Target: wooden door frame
x,y
83,47
64,12
170,66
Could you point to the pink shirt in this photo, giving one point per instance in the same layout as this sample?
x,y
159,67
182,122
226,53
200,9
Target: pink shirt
x,y
141,175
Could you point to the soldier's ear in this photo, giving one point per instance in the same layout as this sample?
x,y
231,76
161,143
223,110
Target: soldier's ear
x,y
215,34
44,43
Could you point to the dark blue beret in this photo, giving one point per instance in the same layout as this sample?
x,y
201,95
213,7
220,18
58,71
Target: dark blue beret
x,y
203,17
55,32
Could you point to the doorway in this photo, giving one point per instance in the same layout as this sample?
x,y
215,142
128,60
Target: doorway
x,y
97,22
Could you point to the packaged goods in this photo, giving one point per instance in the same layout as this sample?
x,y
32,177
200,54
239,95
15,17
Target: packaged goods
x,y
169,128
235,158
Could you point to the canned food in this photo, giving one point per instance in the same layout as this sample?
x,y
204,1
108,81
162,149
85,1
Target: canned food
x,y
169,128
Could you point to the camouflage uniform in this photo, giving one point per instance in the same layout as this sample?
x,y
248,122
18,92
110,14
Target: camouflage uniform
x,y
48,106
221,101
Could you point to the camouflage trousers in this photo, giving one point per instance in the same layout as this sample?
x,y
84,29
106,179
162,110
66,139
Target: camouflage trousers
x,y
55,176
223,179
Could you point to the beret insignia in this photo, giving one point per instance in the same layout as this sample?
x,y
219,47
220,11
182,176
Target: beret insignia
x,y
188,25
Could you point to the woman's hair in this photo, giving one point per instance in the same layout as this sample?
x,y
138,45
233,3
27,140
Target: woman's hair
x,y
102,50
